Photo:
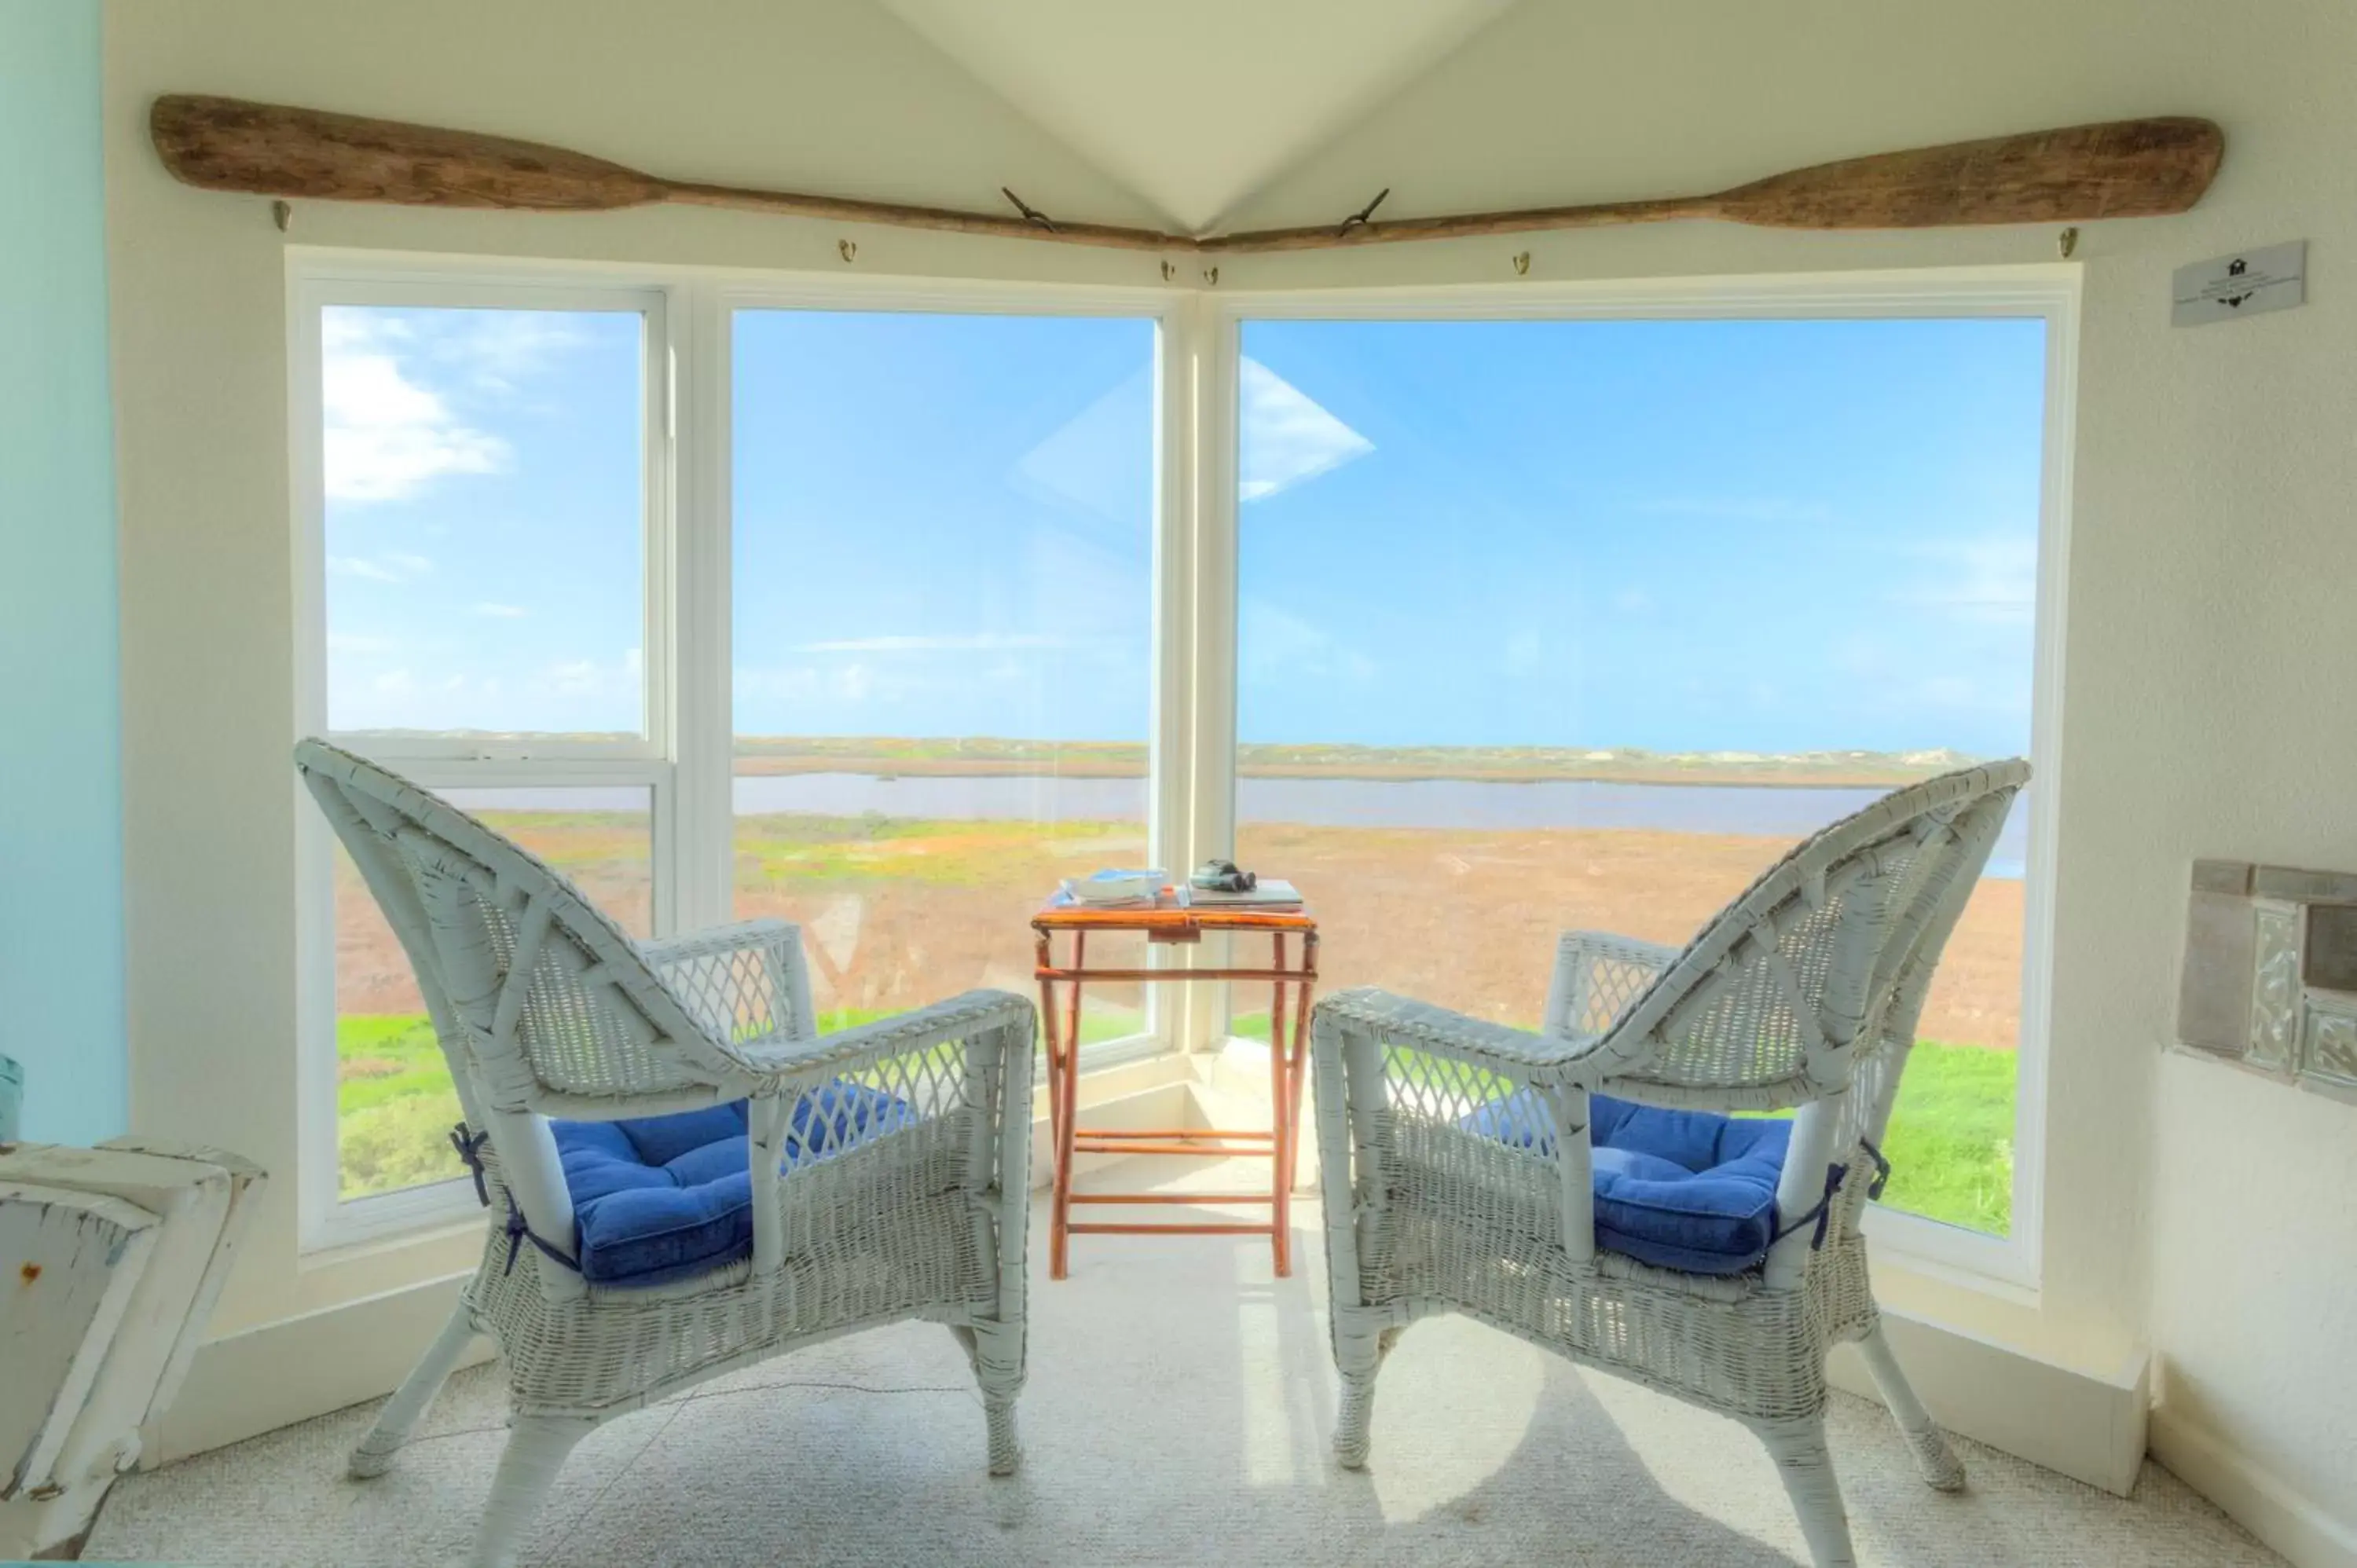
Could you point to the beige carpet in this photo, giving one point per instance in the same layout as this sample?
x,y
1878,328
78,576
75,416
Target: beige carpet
x,y
1177,1412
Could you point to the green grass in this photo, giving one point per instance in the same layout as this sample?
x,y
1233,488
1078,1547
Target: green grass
x,y
395,1105
1949,1143
808,852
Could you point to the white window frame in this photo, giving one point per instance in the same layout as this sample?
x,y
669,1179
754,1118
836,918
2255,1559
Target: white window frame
x,y
2007,1266
685,757
317,281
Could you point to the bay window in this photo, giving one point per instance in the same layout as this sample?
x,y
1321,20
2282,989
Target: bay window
x,y
882,609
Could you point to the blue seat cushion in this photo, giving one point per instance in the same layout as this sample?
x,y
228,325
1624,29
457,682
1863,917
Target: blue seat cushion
x,y
663,1197
1679,1189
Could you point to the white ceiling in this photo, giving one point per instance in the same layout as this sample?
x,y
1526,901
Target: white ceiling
x,y
1195,104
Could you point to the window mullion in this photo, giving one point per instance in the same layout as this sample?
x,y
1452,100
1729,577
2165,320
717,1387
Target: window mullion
x,y
703,743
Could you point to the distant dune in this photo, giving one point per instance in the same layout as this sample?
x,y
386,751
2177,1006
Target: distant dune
x,y
1116,759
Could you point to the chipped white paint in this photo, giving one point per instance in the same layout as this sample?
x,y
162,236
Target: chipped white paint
x,y
109,1262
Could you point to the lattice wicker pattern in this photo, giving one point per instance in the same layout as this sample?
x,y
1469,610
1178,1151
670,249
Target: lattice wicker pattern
x,y
544,1007
1802,993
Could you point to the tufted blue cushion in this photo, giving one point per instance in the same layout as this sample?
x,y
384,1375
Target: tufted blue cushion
x,y
663,1197
1679,1189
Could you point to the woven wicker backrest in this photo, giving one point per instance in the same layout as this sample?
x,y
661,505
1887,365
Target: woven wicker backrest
x,y
590,1020
1824,960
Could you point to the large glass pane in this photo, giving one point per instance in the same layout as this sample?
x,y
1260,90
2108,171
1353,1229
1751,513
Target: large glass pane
x,y
1555,625
395,1105
943,577
485,521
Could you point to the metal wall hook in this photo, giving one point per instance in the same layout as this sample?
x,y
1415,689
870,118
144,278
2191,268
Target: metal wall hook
x,y
1031,215
2067,241
1211,276
1522,263
1359,219
1169,272
850,251
282,214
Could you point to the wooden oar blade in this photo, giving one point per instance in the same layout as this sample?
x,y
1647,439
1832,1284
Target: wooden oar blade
x,y
2125,168
271,149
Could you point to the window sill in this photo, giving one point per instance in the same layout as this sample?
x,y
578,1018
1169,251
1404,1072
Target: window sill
x,y
364,1227
2003,1268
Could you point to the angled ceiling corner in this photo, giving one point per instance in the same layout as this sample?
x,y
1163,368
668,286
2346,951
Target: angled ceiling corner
x,y
1194,109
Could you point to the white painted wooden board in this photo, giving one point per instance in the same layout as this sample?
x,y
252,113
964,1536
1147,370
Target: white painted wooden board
x,y
245,1181
70,1263
89,1365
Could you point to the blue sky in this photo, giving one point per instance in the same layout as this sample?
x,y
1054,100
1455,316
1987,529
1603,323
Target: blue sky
x,y
1683,535
484,513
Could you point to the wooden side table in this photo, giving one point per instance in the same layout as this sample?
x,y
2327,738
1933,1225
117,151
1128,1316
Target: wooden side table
x,y
1288,1056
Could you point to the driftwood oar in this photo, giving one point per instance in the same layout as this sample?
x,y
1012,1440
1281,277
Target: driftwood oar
x,y
2126,168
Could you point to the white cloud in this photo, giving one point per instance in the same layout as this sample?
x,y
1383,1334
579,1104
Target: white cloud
x,y
1738,509
1273,644
1287,437
575,675
500,612
385,434
980,642
352,642
623,680
1991,580
496,348
389,566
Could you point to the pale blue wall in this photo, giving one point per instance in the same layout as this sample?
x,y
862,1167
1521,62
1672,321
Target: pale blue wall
x,y
60,710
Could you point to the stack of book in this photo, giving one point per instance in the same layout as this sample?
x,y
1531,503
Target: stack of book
x,y
1269,893
1113,889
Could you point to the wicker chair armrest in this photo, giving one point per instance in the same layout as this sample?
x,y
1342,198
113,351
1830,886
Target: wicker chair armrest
x,y
777,1061
1495,1048
738,980
1591,947
1598,975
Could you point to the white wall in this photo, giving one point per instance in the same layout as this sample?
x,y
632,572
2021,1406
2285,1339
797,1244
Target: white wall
x,y
2209,707
2209,532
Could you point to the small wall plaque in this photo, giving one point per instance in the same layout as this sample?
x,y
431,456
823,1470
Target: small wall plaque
x,y
2270,973
2328,957
2273,277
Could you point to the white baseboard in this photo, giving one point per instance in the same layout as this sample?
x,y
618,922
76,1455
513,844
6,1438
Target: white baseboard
x,y
2088,1427
2303,1529
276,1374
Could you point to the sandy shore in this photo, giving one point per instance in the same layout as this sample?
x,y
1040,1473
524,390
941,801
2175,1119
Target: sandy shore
x,y
1466,918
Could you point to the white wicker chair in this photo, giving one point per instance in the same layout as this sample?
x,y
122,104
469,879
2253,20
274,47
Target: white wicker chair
x,y
545,1008
1805,992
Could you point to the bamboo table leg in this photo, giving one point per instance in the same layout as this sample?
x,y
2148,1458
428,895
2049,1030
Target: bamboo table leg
x,y
1299,1074
1063,1097
1280,1233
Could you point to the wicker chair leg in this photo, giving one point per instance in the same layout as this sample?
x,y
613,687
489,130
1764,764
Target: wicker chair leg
x,y
996,1353
1358,1357
1938,1461
1807,1467
536,1448
374,1455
